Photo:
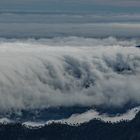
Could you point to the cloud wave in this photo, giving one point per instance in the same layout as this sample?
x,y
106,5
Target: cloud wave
x,y
37,75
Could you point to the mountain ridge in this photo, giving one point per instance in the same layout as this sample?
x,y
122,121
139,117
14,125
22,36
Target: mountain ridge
x,y
94,129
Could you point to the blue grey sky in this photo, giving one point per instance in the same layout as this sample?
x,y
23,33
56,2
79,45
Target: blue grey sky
x,y
72,6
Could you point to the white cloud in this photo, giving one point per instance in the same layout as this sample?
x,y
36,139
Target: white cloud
x,y
78,119
33,74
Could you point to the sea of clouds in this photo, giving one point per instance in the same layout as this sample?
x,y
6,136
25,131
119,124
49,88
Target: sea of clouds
x,y
25,25
68,71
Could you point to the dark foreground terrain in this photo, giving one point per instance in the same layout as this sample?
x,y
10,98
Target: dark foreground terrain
x,y
94,130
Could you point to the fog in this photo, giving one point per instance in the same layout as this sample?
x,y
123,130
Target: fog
x,y
41,74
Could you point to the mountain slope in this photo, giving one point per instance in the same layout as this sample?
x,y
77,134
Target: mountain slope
x,y
93,130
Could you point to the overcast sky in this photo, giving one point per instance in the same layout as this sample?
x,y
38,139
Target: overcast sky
x,y
112,6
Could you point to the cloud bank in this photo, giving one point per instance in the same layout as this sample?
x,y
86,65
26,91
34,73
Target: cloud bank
x,y
41,30
122,3
40,75
78,119
83,25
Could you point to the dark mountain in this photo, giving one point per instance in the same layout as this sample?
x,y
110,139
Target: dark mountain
x,y
57,113
94,130
138,46
52,113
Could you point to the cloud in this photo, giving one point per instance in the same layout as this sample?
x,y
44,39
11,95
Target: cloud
x,y
78,119
44,25
73,6
122,3
100,2
36,74
77,1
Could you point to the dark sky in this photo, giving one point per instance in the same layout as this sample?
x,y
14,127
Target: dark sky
x,y
83,6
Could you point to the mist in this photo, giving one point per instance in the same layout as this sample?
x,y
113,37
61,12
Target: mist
x,y
39,74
